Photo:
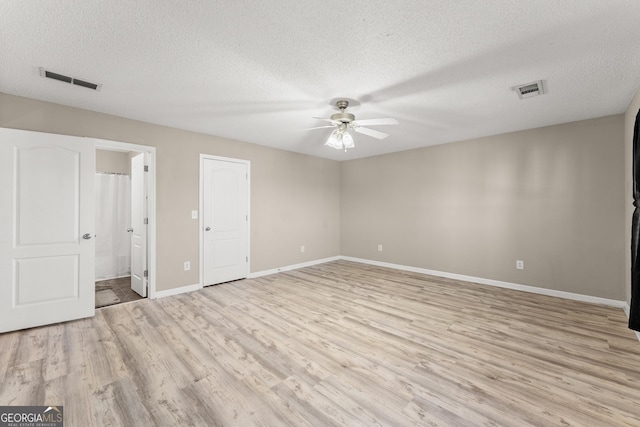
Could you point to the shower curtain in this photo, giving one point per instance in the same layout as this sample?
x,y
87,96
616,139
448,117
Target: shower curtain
x,y
113,212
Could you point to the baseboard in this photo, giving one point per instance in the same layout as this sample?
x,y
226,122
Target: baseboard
x,y
627,311
480,280
483,281
177,291
497,283
191,288
102,279
293,267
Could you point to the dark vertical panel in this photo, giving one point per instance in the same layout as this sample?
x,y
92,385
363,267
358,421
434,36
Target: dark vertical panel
x,y
634,314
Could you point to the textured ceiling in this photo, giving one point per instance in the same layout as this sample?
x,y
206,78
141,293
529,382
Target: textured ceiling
x,y
258,71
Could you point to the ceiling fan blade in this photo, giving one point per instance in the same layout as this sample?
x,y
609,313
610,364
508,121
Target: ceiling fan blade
x,y
319,127
377,122
371,132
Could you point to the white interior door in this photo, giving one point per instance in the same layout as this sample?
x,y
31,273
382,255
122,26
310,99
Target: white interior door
x,y
225,217
138,226
46,229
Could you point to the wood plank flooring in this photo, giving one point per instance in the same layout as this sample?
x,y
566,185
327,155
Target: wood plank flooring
x,y
338,344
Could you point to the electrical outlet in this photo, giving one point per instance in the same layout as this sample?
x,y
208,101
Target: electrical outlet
x,y
187,266
520,265
379,248
302,248
194,214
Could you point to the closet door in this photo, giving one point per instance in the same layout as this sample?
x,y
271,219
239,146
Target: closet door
x,y
225,216
46,229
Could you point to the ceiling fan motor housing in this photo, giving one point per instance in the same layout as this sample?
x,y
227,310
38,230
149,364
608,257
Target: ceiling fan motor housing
x,y
343,117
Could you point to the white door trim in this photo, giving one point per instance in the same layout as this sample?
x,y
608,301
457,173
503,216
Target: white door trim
x,y
204,157
105,144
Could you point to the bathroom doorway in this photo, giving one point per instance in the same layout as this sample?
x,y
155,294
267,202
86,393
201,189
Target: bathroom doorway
x,y
113,228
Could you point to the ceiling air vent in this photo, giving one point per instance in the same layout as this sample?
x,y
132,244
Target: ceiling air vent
x,y
530,89
71,80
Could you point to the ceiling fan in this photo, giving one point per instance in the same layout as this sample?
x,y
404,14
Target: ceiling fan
x,y
344,123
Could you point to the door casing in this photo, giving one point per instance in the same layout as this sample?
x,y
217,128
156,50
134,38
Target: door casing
x,y
150,155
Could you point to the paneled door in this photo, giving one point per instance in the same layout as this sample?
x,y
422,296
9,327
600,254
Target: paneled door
x,y
47,249
225,221
138,225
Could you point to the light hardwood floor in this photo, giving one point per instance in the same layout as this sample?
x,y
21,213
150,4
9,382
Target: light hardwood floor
x,y
341,344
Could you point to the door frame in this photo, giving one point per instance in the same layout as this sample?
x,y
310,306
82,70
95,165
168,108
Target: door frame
x,y
247,163
104,144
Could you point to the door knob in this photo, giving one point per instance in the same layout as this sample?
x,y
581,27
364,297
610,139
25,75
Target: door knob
x,y
86,236
129,230
207,229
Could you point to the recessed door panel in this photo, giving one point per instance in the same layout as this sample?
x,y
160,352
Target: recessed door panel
x,y
226,252
48,180
60,274
225,206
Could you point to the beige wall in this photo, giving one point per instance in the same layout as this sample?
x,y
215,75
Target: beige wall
x,y
629,122
295,199
552,197
112,161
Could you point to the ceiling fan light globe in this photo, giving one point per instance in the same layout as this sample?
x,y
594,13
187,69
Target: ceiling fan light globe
x,y
347,140
335,140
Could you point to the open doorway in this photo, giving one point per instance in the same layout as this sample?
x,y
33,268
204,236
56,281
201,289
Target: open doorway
x,y
125,238
113,202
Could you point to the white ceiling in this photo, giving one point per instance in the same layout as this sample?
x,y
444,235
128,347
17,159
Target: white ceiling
x,y
258,71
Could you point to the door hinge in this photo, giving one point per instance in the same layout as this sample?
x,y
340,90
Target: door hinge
x,y
146,273
146,221
146,168
247,259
